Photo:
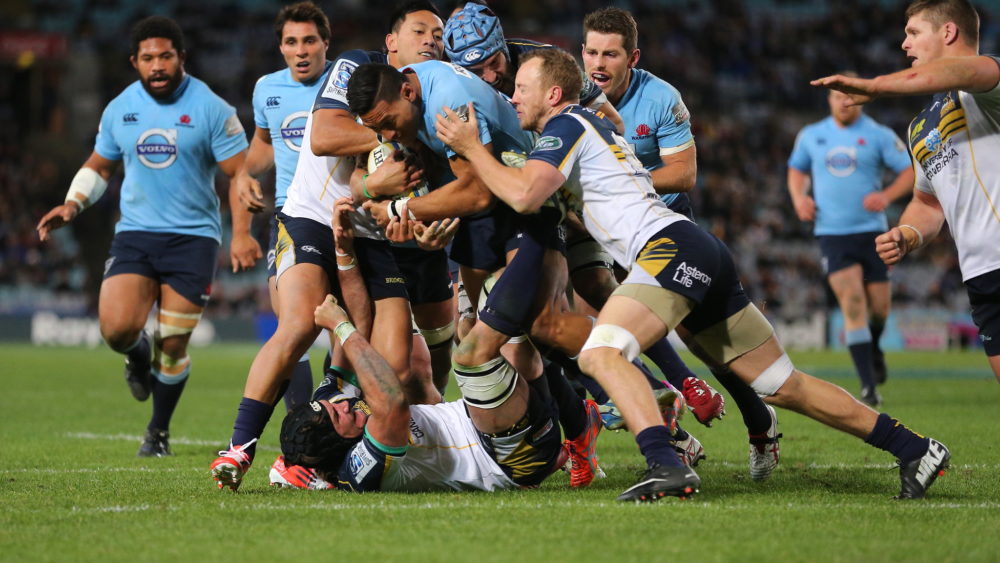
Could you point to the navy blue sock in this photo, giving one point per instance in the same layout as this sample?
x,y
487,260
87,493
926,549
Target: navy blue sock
x,y
595,389
654,443
166,394
139,353
755,415
876,326
572,413
859,343
680,434
300,386
250,422
892,436
650,378
673,367
510,306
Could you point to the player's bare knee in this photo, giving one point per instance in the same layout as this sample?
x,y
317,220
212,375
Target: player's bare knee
x,y
119,339
605,344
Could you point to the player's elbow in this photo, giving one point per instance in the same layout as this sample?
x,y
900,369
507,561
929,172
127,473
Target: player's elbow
x,y
525,204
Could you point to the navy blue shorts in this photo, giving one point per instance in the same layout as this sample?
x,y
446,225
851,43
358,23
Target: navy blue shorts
x,y
427,277
690,261
304,241
543,227
481,242
272,244
184,262
984,296
844,251
378,267
536,438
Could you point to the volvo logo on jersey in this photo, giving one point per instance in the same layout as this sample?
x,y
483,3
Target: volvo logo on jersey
x,y
842,161
157,148
293,128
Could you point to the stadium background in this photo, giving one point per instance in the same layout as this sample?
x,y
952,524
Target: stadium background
x,y
742,67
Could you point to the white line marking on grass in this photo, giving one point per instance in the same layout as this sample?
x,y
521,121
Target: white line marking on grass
x,y
136,438
799,465
102,470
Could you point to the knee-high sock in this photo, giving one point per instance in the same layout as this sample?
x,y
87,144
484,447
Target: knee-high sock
x,y
572,414
167,390
755,414
300,386
859,342
670,363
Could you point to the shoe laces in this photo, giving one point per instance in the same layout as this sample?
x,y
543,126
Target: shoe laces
x,y
239,452
699,395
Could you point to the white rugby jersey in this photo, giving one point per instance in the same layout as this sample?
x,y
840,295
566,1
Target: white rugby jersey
x,y
445,452
955,145
318,182
606,183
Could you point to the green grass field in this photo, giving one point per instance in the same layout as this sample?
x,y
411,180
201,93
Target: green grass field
x,y
72,488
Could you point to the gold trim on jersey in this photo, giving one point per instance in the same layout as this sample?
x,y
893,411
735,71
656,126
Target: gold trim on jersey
x,y
326,182
979,180
951,123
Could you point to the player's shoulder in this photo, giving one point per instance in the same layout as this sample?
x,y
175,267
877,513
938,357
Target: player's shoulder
x,y
816,127
360,57
572,120
129,96
518,45
654,86
277,77
198,88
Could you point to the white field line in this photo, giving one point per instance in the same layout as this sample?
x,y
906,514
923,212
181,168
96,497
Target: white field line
x,y
451,505
136,438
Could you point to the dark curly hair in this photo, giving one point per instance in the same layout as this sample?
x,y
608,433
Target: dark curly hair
x,y
160,27
309,439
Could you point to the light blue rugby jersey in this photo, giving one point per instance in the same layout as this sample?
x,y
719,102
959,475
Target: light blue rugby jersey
x,y
846,164
281,105
170,150
655,119
445,84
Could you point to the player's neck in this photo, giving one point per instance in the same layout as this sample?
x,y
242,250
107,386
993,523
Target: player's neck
x,y
846,124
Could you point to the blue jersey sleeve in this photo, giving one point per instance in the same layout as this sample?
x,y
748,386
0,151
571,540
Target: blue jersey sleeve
x,y
228,137
365,465
558,143
894,153
105,144
590,92
259,118
674,129
333,94
800,159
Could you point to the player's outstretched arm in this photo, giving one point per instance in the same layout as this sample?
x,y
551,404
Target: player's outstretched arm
x,y
86,188
921,221
244,250
524,189
970,74
390,419
260,159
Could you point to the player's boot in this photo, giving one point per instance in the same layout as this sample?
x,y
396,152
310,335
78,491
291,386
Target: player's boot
x,y
879,371
155,444
659,481
916,476
296,476
871,397
139,375
582,450
689,450
764,449
705,402
229,468
669,400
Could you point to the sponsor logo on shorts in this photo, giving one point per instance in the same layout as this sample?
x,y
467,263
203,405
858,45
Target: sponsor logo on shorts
x,y
395,279
656,255
309,248
107,264
361,461
688,275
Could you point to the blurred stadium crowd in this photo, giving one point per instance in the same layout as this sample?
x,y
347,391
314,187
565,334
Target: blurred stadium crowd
x,y
742,67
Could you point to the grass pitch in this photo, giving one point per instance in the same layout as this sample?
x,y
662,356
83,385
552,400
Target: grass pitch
x,y
71,487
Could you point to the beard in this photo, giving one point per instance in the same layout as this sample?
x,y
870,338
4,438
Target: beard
x,y
173,81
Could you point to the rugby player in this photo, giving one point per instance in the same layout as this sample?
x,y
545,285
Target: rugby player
x,y
173,133
658,128
305,260
960,122
281,104
679,277
843,157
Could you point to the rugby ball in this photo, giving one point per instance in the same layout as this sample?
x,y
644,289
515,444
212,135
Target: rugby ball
x,y
382,154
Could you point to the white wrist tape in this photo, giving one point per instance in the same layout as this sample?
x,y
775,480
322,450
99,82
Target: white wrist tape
x,y
86,188
396,205
916,231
